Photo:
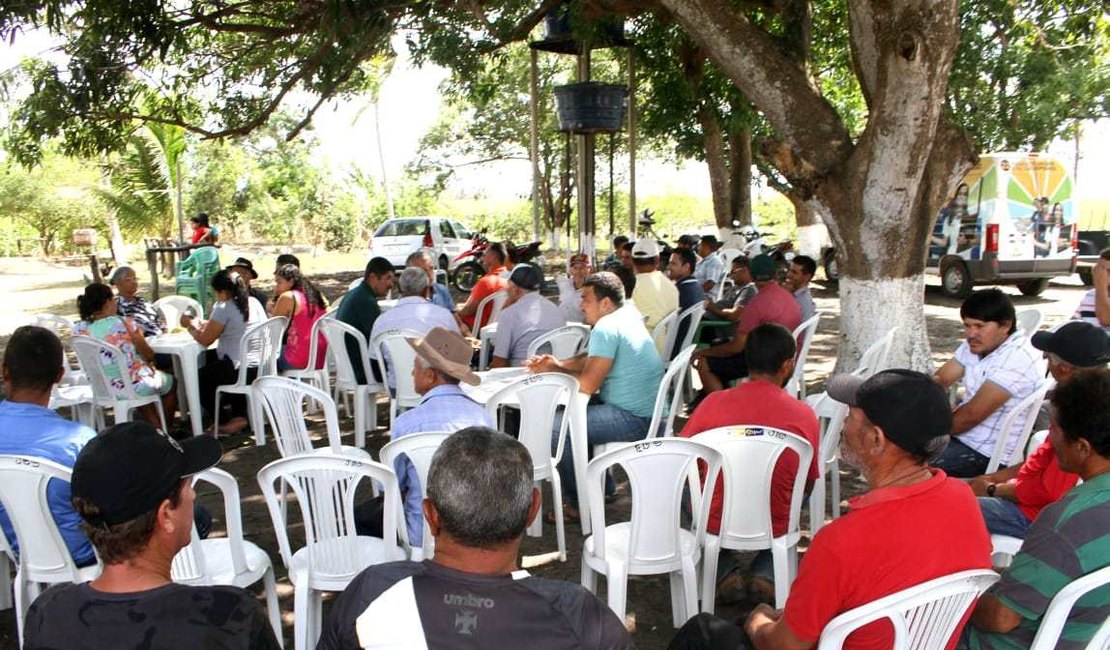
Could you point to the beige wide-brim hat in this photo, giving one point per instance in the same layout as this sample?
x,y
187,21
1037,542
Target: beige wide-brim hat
x,y
447,352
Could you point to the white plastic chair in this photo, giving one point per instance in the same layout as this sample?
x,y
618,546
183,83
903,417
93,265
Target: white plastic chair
x,y
310,374
653,541
539,398
43,555
227,560
1015,429
172,307
283,402
663,329
494,303
1003,550
563,342
803,335
1029,321
729,254
95,355
668,401
395,353
62,328
366,394
7,559
259,347
831,416
419,448
750,453
692,317
1056,616
333,554
924,616
874,358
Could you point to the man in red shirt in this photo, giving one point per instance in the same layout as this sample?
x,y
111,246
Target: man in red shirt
x,y
493,260
915,524
723,363
760,401
1012,498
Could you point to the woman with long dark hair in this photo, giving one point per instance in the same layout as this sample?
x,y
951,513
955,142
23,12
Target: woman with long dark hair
x,y
234,310
100,320
296,298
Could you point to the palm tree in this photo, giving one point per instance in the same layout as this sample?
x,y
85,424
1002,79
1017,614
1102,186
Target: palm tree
x,y
143,181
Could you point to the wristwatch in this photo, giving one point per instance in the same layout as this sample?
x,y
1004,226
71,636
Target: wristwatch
x,y
991,487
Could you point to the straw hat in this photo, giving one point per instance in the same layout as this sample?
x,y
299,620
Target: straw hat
x,y
447,352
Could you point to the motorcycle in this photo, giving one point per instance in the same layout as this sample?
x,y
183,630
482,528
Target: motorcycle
x,y
467,265
755,244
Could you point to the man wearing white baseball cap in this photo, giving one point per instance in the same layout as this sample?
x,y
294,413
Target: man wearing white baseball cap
x,y
655,295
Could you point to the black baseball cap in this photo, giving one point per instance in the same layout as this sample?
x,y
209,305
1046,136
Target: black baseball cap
x,y
910,408
130,468
243,262
526,277
762,267
1077,342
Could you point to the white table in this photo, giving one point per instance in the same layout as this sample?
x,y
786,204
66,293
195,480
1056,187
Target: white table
x,y
186,364
498,378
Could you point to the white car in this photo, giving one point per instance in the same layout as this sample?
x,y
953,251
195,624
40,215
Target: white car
x,y
396,239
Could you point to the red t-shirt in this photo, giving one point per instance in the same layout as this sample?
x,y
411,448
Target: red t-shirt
x,y
1040,481
772,304
488,284
199,234
890,539
762,403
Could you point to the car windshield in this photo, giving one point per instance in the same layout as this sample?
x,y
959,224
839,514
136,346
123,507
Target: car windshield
x,y
403,228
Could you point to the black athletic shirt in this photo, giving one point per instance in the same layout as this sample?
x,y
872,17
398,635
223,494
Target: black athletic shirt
x,y
77,617
424,605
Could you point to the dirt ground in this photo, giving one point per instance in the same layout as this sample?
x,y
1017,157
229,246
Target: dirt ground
x,y
30,287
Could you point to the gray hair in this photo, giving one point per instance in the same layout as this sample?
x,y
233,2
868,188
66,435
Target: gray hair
x,y
120,271
418,254
481,484
413,282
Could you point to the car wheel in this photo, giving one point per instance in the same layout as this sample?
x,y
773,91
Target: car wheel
x,y
1033,287
956,281
443,263
832,267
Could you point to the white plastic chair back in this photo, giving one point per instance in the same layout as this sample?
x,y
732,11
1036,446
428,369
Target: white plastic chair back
x,y
924,616
750,453
831,414
324,486
1029,321
283,403
62,328
316,375
95,356
1060,607
803,337
493,304
562,342
729,254
663,328
260,348
538,397
336,333
43,554
1016,428
396,359
419,448
874,358
173,307
669,396
190,565
692,317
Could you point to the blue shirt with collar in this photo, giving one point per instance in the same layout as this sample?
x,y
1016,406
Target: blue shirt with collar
x,y
33,430
441,296
443,408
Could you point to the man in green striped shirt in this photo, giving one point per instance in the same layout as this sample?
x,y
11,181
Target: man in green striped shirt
x,y
1068,540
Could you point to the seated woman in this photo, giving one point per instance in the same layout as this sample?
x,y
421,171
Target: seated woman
x,y
297,299
99,319
233,311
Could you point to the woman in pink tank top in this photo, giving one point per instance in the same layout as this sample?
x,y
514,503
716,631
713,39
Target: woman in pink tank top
x,y
298,300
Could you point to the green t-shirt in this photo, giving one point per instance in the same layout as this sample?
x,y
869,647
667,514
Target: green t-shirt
x,y
359,309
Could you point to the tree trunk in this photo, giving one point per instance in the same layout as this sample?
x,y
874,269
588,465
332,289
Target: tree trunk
x,y
741,162
812,234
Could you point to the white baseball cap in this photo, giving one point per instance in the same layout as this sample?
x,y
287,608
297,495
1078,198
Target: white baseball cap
x,y
645,248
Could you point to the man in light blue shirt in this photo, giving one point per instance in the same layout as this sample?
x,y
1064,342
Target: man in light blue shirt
x,y
412,312
528,316
440,294
711,269
33,363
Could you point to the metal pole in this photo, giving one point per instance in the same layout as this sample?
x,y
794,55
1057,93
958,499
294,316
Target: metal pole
x,y
632,142
180,213
533,147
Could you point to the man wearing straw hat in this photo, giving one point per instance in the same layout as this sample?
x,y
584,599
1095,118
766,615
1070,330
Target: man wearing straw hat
x,y
442,361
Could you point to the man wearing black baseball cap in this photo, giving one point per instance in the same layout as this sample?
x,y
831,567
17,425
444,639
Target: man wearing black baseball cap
x,y
132,487
527,316
914,525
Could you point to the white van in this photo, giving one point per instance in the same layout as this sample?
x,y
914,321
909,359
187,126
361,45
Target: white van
x,y
1012,220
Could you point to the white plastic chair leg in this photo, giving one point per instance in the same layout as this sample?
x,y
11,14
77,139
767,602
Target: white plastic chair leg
x,y
302,597
258,423
361,399
616,576
782,574
834,488
557,504
6,599
817,506
589,578
22,602
709,574
272,609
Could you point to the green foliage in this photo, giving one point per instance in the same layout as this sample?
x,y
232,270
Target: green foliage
x,y
142,190
48,201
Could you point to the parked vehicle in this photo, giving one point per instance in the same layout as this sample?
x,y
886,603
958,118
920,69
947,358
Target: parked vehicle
x,y
1091,243
467,265
397,238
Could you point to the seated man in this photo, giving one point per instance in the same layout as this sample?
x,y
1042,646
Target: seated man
x,y
723,363
732,304
130,305
655,295
359,309
1095,305
798,277
1011,498
570,287
440,294
493,261
442,361
615,256
133,489
762,401
914,525
414,311
472,593
245,268
528,316
621,366
999,370
1069,539
681,268
711,269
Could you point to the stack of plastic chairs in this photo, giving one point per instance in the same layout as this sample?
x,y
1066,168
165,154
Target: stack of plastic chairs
x,y
193,274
